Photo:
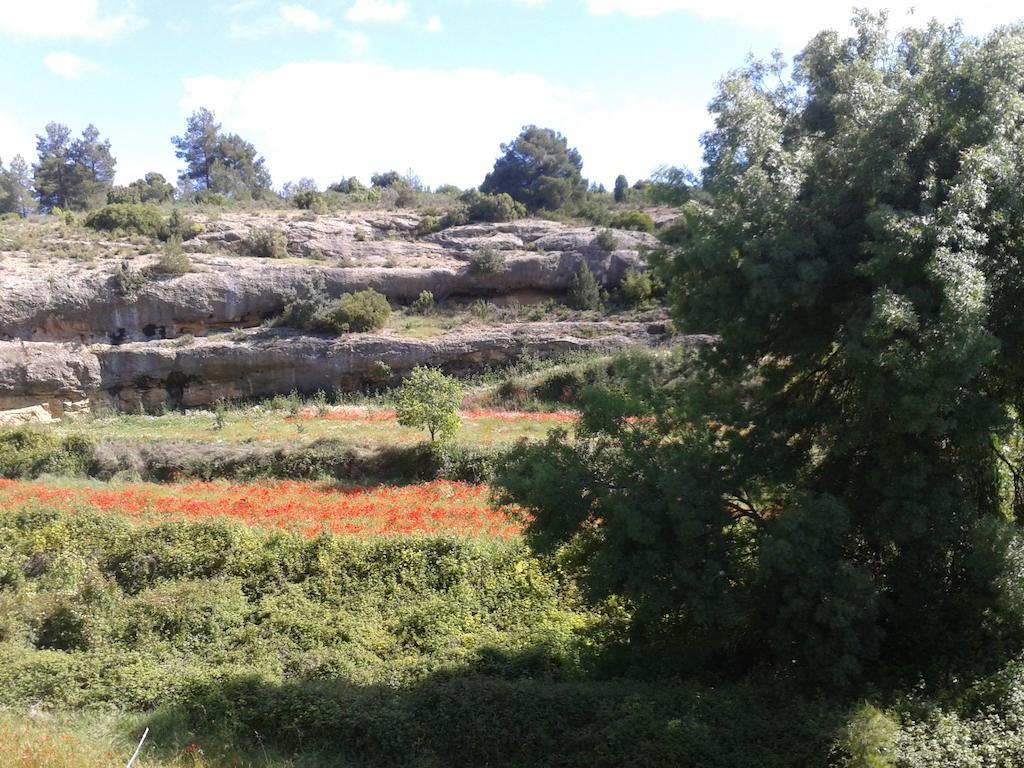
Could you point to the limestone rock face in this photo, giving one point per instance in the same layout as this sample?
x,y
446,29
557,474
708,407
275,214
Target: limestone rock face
x,y
33,414
351,252
80,334
170,374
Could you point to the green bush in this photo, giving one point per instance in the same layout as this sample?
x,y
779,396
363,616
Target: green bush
x,y
173,260
179,225
268,243
129,281
357,312
486,261
424,303
455,216
311,200
596,213
634,220
428,398
127,217
493,208
605,240
636,288
584,292
28,452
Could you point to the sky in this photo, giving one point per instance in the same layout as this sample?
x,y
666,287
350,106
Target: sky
x,y
333,88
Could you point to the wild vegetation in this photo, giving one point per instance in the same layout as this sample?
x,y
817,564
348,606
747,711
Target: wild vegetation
x,y
796,544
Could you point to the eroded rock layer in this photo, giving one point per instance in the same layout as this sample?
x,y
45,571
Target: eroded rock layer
x,y
140,376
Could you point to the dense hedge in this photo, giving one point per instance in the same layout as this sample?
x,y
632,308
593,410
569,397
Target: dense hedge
x,y
26,453
407,652
386,652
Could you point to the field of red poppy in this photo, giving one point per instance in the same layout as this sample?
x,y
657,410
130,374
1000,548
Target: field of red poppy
x,y
437,508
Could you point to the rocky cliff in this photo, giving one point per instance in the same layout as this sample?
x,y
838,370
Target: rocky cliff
x,y
75,334
231,289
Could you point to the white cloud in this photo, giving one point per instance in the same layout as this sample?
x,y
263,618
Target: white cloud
x,y
377,11
434,24
67,19
358,43
14,140
303,18
411,129
530,3
68,65
797,20
288,16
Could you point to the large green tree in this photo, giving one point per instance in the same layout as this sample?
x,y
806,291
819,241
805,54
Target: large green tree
x,y
539,170
222,163
72,173
15,187
831,480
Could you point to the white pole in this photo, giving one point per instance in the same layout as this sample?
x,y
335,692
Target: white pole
x,y
138,748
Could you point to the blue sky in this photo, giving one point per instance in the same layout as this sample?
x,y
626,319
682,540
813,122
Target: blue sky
x,y
331,88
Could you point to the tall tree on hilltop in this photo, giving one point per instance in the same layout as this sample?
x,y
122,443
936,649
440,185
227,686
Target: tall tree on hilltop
x,y
220,163
72,174
16,187
93,167
621,188
198,147
539,170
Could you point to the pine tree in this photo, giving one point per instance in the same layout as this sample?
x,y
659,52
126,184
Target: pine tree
x,y
621,188
72,174
224,164
584,292
15,188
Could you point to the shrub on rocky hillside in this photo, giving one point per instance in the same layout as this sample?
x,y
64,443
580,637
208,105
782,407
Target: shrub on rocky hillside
x,y
493,208
606,241
424,303
127,217
268,243
357,312
486,261
584,292
636,288
27,453
173,260
637,221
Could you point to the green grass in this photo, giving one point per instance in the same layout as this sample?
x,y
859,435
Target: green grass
x,y
262,426
414,326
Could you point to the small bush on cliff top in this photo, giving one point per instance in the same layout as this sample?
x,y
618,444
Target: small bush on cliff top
x,y
353,313
606,241
486,261
126,217
268,243
637,221
173,261
493,208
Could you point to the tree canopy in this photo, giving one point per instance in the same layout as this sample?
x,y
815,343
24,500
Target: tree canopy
x,y
15,187
72,173
838,476
539,170
428,398
217,162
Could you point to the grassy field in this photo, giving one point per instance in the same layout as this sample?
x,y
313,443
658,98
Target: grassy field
x,y
369,427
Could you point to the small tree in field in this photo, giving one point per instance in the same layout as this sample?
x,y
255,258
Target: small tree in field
x,y
430,399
